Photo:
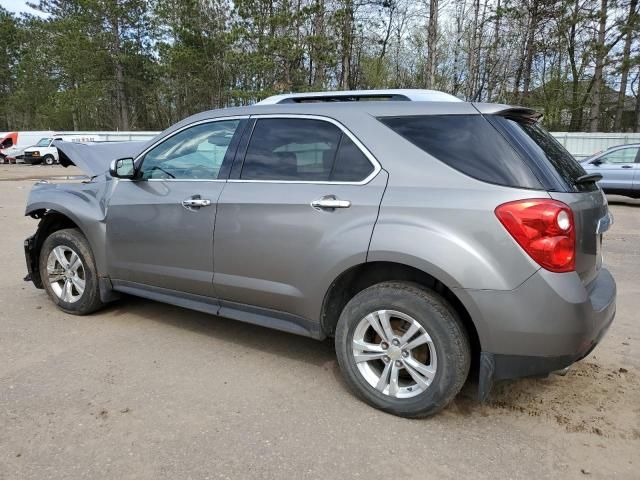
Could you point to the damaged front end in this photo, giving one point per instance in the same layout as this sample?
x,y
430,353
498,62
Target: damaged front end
x,y
80,205
94,158
33,273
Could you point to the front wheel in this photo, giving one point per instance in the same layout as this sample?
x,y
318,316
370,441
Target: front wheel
x,y
49,160
68,272
402,349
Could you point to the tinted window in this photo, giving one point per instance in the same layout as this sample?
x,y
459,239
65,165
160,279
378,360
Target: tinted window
x,y
351,164
291,149
194,153
622,156
545,154
467,143
298,149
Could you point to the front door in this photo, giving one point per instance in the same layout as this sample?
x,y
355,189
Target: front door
x,y
160,226
300,210
618,169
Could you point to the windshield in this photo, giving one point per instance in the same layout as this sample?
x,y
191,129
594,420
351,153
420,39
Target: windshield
x,y
44,142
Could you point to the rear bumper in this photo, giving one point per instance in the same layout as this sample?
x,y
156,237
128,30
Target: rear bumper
x,y
549,322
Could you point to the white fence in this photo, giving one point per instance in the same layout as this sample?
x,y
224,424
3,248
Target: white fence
x,y
582,145
579,144
109,136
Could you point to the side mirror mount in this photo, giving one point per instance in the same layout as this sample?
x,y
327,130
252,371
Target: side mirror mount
x,y
122,168
597,162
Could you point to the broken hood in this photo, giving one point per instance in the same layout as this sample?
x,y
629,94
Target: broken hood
x,y
95,158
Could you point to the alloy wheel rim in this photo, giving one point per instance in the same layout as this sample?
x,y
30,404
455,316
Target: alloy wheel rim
x,y
66,274
394,354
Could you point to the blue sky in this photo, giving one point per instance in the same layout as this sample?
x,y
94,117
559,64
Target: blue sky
x,y
18,6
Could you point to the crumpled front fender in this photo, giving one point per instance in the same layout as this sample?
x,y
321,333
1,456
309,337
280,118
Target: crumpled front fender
x,y
84,204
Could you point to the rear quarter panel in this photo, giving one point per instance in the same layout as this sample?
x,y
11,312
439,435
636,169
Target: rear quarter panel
x,y
439,220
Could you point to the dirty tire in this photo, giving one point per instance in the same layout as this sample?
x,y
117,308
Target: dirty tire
x,y
442,324
89,301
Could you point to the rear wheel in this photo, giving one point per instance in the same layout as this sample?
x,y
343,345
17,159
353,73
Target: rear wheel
x,y
49,160
68,272
402,349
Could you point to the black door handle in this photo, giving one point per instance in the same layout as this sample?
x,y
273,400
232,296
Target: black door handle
x,y
626,166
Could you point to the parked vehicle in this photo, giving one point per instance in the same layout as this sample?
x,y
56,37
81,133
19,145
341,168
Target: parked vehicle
x,y
7,139
422,236
620,169
42,152
14,143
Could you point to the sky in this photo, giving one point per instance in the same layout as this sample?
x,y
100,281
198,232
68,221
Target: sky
x,y
18,6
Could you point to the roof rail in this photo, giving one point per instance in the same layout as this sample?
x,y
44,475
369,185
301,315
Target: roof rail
x,y
403,95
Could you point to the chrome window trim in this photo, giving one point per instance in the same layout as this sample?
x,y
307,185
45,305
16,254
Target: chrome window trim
x,y
183,180
170,180
141,155
374,162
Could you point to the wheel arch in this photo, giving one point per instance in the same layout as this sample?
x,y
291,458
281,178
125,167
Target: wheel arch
x,y
54,217
364,275
50,221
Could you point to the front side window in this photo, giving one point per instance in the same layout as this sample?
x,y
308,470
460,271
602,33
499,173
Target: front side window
x,y
622,156
44,142
195,153
298,149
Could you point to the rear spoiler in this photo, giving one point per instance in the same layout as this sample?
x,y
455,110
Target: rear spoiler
x,y
520,113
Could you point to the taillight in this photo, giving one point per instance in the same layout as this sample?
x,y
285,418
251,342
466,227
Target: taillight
x,y
545,229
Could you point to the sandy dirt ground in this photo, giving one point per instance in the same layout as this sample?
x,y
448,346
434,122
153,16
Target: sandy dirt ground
x,y
149,391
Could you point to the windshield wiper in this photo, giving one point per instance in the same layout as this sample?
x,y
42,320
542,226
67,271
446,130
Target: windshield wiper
x,y
590,177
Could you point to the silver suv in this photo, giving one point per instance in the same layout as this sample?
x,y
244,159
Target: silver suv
x,y
426,237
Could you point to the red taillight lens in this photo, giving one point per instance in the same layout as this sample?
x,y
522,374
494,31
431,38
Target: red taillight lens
x,y
545,229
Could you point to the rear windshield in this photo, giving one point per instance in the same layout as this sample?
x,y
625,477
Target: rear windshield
x,y
468,143
550,161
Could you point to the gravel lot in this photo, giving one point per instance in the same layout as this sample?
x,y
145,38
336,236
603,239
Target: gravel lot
x,y
145,390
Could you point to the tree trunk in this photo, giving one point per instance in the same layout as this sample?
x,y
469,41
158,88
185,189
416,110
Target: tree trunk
x,y
121,97
317,70
636,113
385,44
493,58
522,48
432,39
457,50
601,52
530,49
347,45
473,51
624,70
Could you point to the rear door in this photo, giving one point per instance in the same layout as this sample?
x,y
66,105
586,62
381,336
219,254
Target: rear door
x,y
298,210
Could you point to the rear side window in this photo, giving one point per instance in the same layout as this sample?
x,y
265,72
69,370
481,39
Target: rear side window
x,y
467,143
351,165
557,169
297,149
